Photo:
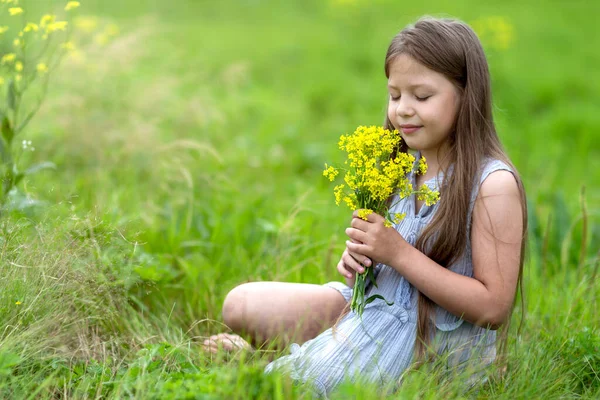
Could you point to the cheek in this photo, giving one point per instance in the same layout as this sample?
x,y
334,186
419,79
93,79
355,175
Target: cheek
x,y
441,115
391,113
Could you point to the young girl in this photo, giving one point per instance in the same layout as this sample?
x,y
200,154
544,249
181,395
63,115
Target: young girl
x,y
451,269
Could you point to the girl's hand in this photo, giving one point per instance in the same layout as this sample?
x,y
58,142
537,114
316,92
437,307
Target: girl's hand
x,y
373,240
349,264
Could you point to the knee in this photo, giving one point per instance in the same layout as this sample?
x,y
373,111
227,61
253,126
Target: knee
x,y
234,307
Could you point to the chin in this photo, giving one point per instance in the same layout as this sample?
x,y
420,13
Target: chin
x,y
413,144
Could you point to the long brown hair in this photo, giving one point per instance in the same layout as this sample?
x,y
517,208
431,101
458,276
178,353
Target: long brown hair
x,y
450,47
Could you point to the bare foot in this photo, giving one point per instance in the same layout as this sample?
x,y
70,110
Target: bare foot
x,y
226,341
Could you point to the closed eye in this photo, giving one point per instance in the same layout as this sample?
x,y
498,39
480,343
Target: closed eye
x,y
394,98
422,98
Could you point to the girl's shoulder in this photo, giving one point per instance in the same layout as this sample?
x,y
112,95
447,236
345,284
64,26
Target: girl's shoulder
x,y
496,177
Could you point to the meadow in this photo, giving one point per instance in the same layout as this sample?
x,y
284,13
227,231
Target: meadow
x,y
189,139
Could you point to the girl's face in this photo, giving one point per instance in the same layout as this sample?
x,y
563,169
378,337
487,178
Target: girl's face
x,y
422,106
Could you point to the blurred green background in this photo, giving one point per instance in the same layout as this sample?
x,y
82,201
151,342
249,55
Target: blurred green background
x,y
190,137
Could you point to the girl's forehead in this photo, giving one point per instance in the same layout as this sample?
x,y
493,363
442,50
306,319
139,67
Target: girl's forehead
x,y
406,71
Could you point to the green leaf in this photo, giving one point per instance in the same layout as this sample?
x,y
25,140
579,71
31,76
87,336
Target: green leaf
x,y
7,131
2,151
17,178
378,296
12,95
371,275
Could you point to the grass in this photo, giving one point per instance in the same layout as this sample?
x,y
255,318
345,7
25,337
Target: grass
x,y
189,152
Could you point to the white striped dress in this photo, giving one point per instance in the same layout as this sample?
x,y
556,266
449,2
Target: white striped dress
x,y
387,350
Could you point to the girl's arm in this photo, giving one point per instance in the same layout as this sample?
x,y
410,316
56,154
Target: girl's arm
x,y
496,234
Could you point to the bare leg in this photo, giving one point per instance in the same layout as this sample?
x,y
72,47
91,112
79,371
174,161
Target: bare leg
x,y
278,313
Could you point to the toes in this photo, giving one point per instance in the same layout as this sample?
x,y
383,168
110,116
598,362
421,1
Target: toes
x,y
225,341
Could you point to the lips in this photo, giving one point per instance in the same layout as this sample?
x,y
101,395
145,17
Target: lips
x,y
408,128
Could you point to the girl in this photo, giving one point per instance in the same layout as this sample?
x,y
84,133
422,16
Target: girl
x,y
451,269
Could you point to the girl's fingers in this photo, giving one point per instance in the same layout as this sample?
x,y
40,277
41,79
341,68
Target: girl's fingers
x,y
366,261
341,267
350,262
356,235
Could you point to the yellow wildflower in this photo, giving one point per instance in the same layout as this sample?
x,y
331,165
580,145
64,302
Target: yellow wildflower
x,y
41,68
387,224
31,27
15,11
427,195
71,5
47,19
17,42
18,303
399,217
330,172
18,77
3,29
351,201
376,171
56,26
1,81
338,191
8,58
364,213
422,166
18,66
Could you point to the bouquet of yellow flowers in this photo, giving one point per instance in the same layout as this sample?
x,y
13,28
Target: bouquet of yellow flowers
x,y
375,171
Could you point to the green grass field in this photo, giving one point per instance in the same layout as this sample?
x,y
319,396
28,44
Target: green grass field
x,y
189,149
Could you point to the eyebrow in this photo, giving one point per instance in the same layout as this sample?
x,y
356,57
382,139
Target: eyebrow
x,y
414,86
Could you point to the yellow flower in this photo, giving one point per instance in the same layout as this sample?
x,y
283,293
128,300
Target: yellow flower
x,y
364,213
330,172
41,68
56,26
399,217
8,58
338,191
71,5
18,77
17,42
47,19
387,224
351,201
422,166
15,11
427,195
3,29
1,81
18,66
18,303
30,27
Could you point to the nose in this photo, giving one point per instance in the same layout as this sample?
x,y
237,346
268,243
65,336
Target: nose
x,y
404,108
